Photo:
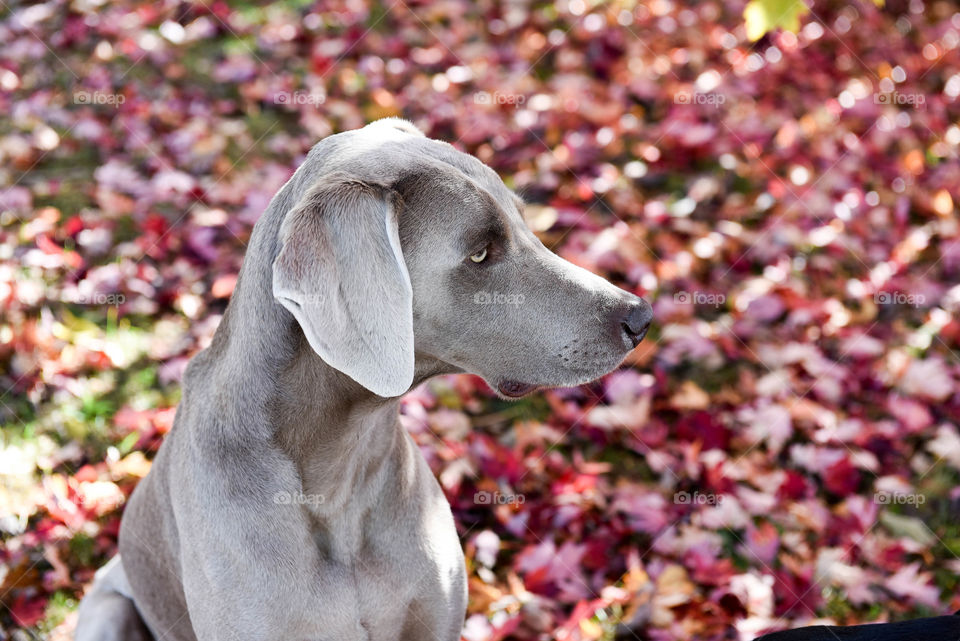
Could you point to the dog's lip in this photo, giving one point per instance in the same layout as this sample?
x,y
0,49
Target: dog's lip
x,y
515,389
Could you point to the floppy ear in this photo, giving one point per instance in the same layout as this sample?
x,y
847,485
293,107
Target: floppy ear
x,y
340,272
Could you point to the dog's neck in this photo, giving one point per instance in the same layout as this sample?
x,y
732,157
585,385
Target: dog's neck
x,y
274,388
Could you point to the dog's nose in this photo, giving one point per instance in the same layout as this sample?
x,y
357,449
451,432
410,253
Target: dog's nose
x,y
637,321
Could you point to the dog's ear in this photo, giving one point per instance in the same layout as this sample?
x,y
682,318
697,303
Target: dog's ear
x,y
341,273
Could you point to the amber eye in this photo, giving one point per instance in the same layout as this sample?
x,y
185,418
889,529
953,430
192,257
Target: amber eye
x,y
480,256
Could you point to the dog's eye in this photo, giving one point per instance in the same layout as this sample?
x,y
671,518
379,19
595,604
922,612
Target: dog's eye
x,y
480,256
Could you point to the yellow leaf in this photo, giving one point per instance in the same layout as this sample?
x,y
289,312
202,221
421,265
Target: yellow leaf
x,y
762,16
690,397
590,629
943,203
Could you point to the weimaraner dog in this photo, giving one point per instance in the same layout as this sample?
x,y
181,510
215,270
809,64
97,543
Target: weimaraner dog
x,y
287,502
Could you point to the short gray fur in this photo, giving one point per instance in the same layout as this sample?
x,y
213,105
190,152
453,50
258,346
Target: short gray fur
x,y
287,502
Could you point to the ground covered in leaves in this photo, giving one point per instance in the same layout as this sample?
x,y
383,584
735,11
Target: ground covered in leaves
x,y
784,447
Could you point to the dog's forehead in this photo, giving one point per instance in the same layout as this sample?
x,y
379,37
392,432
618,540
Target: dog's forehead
x,y
390,150
477,192
448,192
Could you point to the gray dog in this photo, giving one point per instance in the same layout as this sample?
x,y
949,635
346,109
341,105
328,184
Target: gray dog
x,y
287,502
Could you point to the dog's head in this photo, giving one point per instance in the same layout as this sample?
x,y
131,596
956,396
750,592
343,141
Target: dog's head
x,y
405,252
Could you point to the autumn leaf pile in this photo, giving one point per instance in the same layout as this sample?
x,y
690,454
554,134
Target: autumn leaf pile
x,y
783,448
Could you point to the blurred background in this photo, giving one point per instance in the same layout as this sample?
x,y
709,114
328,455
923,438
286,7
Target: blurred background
x,y
778,179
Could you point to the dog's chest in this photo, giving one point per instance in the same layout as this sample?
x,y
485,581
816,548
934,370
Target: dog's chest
x,y
403,582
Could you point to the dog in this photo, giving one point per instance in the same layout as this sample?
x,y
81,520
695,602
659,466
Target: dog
x,y
287,502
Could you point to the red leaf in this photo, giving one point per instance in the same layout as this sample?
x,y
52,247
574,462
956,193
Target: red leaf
x,y
842,478
28,610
